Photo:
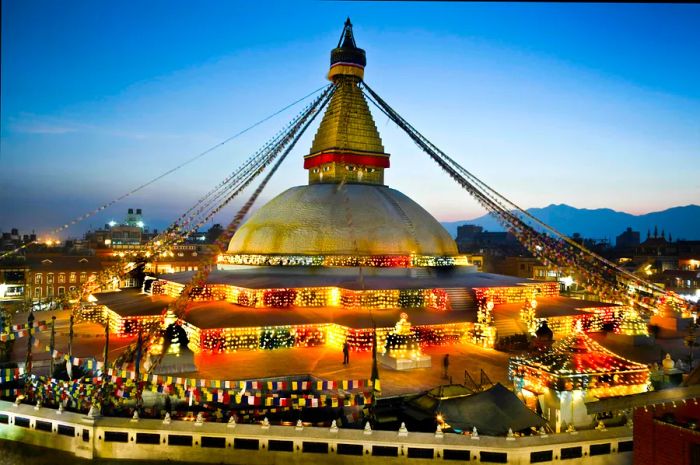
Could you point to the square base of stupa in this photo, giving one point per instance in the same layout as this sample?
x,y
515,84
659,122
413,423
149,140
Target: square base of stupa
x,y
173,364
671,323
635,340
404,363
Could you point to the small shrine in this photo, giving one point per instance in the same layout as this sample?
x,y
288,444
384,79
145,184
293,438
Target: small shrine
x,y
176,356
573,371
402,349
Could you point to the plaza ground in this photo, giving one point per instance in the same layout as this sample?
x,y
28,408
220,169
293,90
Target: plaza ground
x,y
323,362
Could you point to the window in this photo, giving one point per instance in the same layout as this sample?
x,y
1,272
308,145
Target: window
x,y
37,293
44,426
83,277
49,278
315,447
541,456
494,457
600,449
420,453
208,441
37,278
62,278
72,289
72,277
65,430
571,453
625,446
385,451
49,292
23,422
179,440
350,449
147,438
246,444
61,291
455,454
281,446
116,436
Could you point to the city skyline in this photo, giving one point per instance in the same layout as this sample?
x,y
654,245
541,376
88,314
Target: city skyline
x,y
111,99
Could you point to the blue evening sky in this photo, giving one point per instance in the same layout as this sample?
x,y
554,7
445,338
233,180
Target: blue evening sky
x,y
593,105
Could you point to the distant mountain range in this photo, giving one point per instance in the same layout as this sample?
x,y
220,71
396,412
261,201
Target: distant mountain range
x,y
604,223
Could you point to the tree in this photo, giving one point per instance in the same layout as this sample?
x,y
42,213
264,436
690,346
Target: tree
x,y
214,232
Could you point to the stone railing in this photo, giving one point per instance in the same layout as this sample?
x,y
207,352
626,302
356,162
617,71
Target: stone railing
x,y
141,439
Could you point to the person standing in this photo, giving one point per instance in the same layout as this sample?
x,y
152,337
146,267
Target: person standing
x,y
346,353
445,365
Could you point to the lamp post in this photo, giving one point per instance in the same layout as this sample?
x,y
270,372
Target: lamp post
x,y
52,344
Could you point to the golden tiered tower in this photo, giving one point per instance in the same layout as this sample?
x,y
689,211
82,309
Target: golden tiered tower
x,y
347,146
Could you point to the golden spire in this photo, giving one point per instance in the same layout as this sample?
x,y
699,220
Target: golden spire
x,y
347,146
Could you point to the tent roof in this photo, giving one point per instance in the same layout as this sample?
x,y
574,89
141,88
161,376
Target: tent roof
x,y
492,411
578,354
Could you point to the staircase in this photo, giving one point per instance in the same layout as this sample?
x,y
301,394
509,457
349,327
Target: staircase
x,y
460,299
508,325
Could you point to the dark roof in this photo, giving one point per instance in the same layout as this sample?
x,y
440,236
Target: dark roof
x,y
50,262
492,411
131,302
612,404
271,277
548,307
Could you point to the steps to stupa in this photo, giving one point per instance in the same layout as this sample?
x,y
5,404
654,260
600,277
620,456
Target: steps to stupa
x,y
460,298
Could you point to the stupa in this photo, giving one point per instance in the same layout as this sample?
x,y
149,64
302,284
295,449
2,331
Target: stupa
x,y
330,261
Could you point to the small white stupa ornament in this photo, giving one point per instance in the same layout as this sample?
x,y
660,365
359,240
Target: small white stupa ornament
x,y
368,428
403,431
231,422
334,427
475,433
199,421
265,423
299,426
438,431
135,416
166,419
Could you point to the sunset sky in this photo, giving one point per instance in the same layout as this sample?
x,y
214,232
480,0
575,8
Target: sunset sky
x,y
592,105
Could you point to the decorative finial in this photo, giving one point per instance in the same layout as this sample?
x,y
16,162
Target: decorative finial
x,y
368,428
334,425
38,405
299,426
166,419
543,432
199,421
231,422
438,431
475,433
135,417
265,423
403,431
60,408
601,426
93,412
510,436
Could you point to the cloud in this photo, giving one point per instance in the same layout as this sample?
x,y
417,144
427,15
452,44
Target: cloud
x,y
30,123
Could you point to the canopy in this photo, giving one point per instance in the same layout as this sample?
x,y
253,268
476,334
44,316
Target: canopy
x,y
492,411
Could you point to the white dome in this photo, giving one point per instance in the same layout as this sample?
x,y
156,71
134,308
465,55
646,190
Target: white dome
x,y
350,219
